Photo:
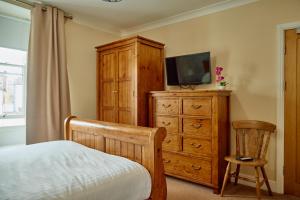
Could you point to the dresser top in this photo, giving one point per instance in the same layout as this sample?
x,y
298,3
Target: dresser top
x,y
192,92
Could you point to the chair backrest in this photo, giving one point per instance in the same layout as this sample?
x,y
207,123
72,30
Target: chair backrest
x,y
252,138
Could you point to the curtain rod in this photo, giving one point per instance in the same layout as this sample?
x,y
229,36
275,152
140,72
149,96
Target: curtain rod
x,y
28,5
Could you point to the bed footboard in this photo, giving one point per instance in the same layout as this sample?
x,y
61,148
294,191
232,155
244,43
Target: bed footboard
x,y
140,144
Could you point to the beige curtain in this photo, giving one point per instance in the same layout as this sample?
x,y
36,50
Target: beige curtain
x,y
48,101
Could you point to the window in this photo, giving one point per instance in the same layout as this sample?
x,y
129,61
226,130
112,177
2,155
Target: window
x,y
12,81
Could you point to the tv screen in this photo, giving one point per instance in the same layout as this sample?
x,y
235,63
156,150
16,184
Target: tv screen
x,y
190,69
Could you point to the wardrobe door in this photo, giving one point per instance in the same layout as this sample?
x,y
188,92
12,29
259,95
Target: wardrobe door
x,y
108,86
125,79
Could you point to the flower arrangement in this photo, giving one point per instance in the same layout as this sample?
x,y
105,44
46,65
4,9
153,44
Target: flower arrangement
x,y
219,78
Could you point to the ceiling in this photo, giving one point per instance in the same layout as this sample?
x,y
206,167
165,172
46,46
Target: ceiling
x,y
130,16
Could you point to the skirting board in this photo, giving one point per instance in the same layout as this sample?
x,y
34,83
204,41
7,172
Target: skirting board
x,y
247,183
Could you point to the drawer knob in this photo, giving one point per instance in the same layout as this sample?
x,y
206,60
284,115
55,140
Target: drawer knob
x,y
196,145
168,141
166,161
165,123
166,106
196,106
196,168
197,126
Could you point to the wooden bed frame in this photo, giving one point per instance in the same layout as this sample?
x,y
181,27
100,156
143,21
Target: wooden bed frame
x,y
140,144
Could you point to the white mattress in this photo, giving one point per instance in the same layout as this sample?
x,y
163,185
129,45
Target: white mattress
x,y
67,170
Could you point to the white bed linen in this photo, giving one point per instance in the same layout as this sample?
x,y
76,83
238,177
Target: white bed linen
x,y
67,170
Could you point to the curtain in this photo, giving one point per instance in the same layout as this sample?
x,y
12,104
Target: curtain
x,y
48,99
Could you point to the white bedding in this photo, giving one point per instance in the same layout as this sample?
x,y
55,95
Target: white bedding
x,y
67,170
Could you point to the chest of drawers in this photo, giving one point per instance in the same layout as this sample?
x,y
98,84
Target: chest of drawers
x,y
197,124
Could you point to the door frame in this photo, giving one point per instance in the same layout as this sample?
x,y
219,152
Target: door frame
x,y
280,104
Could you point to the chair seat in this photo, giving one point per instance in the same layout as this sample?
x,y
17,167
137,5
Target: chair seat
x,y
254,163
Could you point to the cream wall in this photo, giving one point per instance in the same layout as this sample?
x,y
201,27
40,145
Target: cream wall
x,y
244,41
81,60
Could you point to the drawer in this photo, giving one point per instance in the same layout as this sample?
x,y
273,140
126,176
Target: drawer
x,y
170,142
196,146
196,106
167,106
188,167
170,123
197,127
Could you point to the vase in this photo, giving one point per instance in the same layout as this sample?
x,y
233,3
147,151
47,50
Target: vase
x,y
221,87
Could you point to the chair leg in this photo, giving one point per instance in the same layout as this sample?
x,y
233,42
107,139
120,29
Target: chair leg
x,y
225,178
266,180
257,183
237,172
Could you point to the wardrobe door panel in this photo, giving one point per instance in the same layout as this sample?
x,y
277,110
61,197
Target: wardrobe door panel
x,y
107,95
108,86
108,115
126,62
108,66
125,117
125,85
125,97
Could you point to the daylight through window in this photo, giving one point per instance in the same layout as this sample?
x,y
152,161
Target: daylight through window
x,y
12,68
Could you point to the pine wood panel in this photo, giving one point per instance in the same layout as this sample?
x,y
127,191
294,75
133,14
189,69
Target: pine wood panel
x,y
195,169
292,113
140,144
170,123
107,86
108,114
167,106
171,142
196,146
108,69
108,99
197,127
298,117
197,106
125,106
150,76
202,131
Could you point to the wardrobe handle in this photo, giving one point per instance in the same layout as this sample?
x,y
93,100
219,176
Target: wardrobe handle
x,y
115,91
196,106
166,161
196,145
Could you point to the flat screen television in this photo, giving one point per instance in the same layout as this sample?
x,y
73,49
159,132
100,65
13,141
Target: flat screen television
x,y
192,69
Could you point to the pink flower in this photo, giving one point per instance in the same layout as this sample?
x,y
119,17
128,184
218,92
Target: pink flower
x,y
219,70
220,78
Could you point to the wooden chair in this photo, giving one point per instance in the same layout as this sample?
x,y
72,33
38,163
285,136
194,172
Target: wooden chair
x,y
252,140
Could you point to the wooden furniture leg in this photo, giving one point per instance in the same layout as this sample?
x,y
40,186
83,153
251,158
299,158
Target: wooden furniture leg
x,y
257,183
266,180
237,172
225,178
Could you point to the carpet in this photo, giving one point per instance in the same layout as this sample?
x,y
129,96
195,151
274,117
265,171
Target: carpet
x,y
183,190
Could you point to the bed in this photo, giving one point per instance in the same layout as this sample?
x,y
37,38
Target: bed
x,y
121,162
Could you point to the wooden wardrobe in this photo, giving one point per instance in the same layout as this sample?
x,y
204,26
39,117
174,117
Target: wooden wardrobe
x,y
126,71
